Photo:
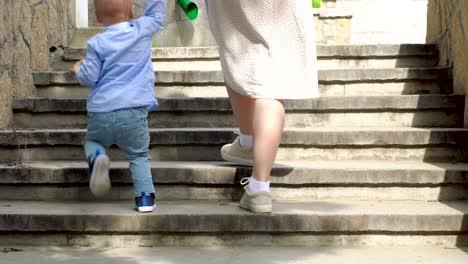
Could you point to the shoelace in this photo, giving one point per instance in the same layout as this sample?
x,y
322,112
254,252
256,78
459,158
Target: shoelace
x,y
244,181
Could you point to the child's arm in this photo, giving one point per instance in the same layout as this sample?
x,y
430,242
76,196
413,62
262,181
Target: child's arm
x,y
155,14
76,66
88,70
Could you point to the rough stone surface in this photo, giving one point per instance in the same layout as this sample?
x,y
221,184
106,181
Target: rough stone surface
x,y
335,103
237,255
28,30
355,111
305,137
194,192
441,117
448,28
331,173
196,240
213,217
384,21
291,181
366,88
323,51
216,76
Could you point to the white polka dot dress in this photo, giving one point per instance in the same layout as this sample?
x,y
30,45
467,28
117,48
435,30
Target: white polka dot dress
x,y
267,47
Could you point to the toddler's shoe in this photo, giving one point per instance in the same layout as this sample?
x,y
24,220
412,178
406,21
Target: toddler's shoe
x,y
99,182
257,202
145,203
236,154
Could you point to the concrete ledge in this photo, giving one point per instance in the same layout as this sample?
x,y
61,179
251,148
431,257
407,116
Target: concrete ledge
x,y
15,154
254,240
397,88
338,103
330,13
358,173
216,77
399,74
376,51
229,193
370,137
323,51
309,251
313,217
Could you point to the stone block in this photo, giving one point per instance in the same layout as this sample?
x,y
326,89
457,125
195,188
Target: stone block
x,y
448,28
386,111
216,76
211,217
28,30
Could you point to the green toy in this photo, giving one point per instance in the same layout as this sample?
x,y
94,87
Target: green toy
x,y
190,8
316,3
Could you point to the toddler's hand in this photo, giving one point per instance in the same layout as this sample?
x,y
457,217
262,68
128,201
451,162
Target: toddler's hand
x,y
76,66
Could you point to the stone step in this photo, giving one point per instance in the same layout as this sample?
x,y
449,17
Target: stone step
x,y
323,64
341,136
388,111
187,144
298,181
214,241
325,76
329,57
216,218
146,252
177,84
323,51
369,88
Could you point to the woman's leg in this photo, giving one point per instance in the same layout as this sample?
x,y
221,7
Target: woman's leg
x,y
268,124
264,119
243,108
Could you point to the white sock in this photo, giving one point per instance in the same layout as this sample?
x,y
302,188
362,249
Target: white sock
x,y
258,186
246,141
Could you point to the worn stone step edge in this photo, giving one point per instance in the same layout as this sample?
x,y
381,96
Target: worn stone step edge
x,y
411,87
323,51
192,192
332,103
326,137
212,217
226,239
325,76
364,173
225,251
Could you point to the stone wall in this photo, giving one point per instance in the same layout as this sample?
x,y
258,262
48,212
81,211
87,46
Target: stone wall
x,y
29,31
448,28
333,26
386,21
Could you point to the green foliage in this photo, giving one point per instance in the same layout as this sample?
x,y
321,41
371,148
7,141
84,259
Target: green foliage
x,y
316,3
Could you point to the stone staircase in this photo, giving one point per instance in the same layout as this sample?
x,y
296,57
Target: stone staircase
x,y
378,160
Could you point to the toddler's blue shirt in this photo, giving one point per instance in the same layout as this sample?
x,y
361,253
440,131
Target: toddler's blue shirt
x,y
118,64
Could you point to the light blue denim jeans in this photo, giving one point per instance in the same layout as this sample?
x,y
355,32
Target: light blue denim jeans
x,y
128,129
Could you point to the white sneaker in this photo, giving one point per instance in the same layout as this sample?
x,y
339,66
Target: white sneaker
x,y
99,183
235,153
257,202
